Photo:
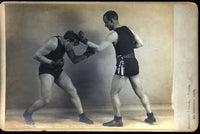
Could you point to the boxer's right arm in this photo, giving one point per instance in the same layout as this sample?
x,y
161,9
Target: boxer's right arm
x,y
137,38
44,50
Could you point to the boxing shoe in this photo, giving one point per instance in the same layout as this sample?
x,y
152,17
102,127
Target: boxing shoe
x,y
116,122
85,119
150,118
28,118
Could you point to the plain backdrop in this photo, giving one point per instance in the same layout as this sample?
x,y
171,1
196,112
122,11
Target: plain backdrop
x,y
29,25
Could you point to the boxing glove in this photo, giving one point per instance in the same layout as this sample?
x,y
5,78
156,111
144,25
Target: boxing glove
x,y
89,51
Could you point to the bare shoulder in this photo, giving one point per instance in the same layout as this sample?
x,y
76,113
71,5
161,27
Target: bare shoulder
x,y
52,42
112,36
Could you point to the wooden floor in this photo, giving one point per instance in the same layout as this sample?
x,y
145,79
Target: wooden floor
x,y
63,119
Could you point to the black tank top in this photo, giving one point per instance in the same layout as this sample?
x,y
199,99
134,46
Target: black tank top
x,y
55,55
58,53
126,41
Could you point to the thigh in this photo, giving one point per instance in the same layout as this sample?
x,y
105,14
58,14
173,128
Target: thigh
x,y
65,83
136,84
118,83
47,81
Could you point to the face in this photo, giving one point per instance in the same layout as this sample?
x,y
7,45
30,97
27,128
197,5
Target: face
x,y
109,24
73,43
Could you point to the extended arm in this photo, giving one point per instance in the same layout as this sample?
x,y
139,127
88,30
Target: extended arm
x,y
111,38
104,44
75,58
44,50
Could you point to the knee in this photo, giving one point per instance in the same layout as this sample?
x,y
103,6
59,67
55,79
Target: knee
x,y
139,94
46,100
113,93
73,93
139,91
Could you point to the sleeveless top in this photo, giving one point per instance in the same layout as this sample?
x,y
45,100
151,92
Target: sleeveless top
x,y
126,41
56,54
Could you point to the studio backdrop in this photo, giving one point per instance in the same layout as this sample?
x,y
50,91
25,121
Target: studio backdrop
x,y
28,26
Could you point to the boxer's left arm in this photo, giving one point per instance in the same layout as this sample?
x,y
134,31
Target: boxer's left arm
x,y
109,40
75,58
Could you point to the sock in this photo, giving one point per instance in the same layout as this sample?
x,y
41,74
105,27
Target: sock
x,y
28,112
117,118
82,115
150,114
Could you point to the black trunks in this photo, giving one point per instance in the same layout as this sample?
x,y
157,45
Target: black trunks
x,y
131,67
54,72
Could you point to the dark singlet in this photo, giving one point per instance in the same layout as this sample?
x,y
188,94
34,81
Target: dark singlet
x,y
126,41
55,55
125,46
58,53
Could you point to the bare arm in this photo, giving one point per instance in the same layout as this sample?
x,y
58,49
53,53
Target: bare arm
x,y
44,50
139,41
112,37
75,58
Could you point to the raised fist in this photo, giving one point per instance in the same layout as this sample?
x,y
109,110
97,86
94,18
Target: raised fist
x,y
89,51
82,37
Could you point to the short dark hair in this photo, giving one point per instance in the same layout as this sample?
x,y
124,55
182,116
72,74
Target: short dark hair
x,y
72,36
111,15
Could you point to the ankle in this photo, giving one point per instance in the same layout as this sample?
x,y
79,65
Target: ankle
x,y
27,112
150,113
82,115
117,118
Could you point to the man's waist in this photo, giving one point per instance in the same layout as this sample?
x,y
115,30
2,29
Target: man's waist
x,y
130,55
49,66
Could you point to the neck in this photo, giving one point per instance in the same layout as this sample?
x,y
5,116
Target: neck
x,y
117,26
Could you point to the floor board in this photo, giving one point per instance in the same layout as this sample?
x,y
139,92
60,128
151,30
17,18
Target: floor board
x,y
66,119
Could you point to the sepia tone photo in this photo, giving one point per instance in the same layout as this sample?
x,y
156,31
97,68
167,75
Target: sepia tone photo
x,y
96,66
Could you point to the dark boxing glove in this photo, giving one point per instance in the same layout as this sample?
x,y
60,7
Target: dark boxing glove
x,y
82,37
89,51
58,64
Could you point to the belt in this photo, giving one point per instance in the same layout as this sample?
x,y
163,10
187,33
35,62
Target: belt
x,y
131,55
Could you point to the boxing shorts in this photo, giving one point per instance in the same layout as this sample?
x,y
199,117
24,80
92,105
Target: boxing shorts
x,y
127,66
55,72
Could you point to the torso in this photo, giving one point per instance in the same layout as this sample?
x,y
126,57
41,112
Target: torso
x,y
58,53
126,41
125,46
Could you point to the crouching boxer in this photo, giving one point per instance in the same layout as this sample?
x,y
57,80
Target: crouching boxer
x,y
51,61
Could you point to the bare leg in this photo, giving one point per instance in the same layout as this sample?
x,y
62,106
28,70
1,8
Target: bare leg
x,y
47,81
137,87
65,83
117,85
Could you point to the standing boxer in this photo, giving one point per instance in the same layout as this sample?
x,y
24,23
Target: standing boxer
x,y
51,61
124,41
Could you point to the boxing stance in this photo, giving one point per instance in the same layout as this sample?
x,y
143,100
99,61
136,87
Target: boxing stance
x,y
124,41
51,61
